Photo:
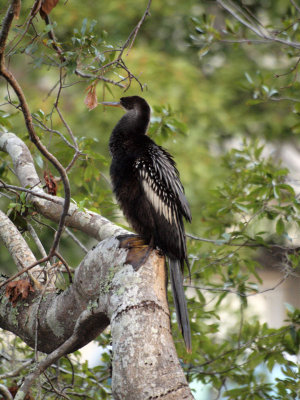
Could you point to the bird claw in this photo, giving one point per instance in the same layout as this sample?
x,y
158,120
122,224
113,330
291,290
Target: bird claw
x,y
131,241
137,256
138,250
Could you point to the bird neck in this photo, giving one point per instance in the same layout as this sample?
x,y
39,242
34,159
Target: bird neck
x,y
131,126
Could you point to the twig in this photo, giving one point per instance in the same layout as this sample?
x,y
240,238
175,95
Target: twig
x,y
77,151
24,270
36,239
77,241
6,195
54,388
46,128
6,25
16,372
60,257
212,289
284,98
45,196
234,11
295,5
67,127
245,345
99,77
34,10
118,61
43,223
133,34
5,392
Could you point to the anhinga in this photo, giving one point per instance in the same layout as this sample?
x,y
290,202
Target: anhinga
x,y
148,189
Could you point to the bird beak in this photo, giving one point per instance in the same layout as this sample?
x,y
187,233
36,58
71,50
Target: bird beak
x,y
111,104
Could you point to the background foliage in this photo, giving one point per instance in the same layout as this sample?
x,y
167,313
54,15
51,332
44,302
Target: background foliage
x,y
218,94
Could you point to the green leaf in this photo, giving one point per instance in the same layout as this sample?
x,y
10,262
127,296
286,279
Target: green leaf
x,y
280,226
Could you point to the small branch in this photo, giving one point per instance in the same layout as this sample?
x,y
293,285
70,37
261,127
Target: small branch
x,y
42,260
67,127
222,290
51,358
47,129
36,239
219,242
234,10
295,5
245,345
284,98
99,77
60,394
10,79
5,392
28,120
64,262
45,196
77,241
118,61
6,25
133,34
17,371
34,10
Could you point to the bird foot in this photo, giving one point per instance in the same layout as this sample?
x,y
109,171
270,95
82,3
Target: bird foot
x,y
130,241
138,250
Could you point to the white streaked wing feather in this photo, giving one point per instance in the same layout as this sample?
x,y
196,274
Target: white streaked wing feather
x,y
161,183
164,209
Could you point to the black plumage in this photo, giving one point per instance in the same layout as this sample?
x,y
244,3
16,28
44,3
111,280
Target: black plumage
x,y
148,189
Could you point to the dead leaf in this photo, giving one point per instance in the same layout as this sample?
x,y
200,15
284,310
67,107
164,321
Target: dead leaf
x,y
17,9
91,98
17,290
50,183
47,7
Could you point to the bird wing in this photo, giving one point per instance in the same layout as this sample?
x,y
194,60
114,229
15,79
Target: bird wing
x,y
160,180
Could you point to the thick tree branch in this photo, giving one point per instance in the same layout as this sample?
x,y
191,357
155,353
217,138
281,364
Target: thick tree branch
x,y
91,223
15,243
18,248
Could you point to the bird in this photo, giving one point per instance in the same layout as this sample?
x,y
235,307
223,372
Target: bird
x,y
147,186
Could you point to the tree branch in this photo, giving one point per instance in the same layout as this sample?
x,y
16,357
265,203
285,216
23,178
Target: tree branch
x,y
5,392
234,10
65,348
6,25
8,76
35,139
15,243
91,223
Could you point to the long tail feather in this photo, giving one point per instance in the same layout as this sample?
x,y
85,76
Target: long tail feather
x,y
180,301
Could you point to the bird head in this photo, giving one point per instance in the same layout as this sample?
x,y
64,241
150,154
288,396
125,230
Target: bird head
x,y
129,103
